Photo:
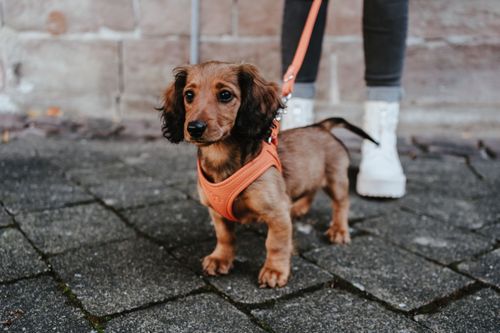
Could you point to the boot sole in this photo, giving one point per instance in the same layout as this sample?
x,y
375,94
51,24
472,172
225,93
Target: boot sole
x,y
381,188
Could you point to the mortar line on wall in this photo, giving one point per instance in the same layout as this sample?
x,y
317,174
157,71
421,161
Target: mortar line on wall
x,y
234,18
137,14
2,17
239,39
121,85
87,36
121,80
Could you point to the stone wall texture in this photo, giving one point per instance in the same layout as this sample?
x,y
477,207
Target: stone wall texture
x,y
113,58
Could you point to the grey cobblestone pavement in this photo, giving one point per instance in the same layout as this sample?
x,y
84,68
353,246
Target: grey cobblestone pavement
x,y
107,236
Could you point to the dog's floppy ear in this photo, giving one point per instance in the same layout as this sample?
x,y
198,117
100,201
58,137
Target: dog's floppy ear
x,y
172,111
260,101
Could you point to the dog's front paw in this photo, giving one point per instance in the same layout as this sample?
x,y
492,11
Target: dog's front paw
x,y
338,235
273,276
213,265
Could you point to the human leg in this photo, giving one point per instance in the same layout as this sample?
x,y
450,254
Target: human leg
x,y
384,38
300,107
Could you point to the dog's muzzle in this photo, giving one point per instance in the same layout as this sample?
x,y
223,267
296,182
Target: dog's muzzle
x,y
196,128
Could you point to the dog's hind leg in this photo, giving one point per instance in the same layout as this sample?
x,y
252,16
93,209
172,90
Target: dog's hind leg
x,y
337,189
301,206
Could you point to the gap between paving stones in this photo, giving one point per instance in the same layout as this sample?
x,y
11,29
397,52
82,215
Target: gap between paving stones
x,y
136,206
103,320
433,306
65,205
440,303
65,290
342,284
476,279
452,266
247,308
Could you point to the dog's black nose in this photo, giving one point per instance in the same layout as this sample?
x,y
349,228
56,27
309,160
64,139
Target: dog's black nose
x,y
196,128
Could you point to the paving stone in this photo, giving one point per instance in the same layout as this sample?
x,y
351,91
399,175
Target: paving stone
x,y
22,167
485,268
135,192
451,146
34,182
476,313
241,283
393,275
309,230
490,171
172,164
128,152
63,156
19,148
466,213
37,305
54,231
101,174
431,238
17,257
491,231
330,310
448,176
492,145
122,276
174,223
306,236
360,208
5,219
199,313
26,195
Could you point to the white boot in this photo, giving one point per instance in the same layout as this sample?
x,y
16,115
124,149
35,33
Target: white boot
x,y
380,172
299,113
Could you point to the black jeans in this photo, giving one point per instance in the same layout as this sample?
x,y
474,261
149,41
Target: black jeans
x,y
385,24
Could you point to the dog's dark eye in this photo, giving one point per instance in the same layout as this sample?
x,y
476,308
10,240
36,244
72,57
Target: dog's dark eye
x,y
189,95
225,96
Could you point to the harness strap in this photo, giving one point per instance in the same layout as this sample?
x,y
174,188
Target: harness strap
x,y
222,195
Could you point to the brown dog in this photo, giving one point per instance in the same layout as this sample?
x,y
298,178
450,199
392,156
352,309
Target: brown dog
x,y
226,110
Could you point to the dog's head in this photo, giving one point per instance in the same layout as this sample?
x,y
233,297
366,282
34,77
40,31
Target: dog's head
x,y
212,101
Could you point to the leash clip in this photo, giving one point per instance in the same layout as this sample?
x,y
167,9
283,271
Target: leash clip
x,y
289,78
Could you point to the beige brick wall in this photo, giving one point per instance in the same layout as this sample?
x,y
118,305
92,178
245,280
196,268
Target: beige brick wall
x,y
113,58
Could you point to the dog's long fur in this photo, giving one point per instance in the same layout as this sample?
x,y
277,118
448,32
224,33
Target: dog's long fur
x,y
312,158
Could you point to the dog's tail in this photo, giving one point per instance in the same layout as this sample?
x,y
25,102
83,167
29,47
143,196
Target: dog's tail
x,y
330,123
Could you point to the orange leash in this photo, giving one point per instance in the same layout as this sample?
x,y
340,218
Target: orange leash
x,y
298,59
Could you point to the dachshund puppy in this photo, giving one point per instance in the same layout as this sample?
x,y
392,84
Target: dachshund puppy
x,y
227,110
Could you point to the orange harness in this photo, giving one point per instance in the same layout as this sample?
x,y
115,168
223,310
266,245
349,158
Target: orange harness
x,y
221,195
